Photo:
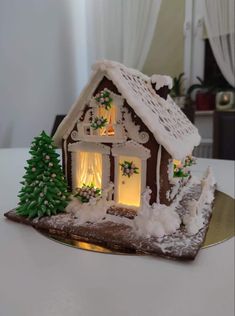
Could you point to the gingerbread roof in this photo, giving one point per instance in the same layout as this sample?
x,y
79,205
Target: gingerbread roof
x,y
169,125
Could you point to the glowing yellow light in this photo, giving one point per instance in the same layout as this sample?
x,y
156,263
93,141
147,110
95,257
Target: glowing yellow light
x,y
225,97
129,189
88,169
91,247
178,163
110,115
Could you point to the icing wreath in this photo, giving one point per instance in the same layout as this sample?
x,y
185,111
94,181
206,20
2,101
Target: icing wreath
x,y
86,192
181,171
189,161
128,168
99,122
104,99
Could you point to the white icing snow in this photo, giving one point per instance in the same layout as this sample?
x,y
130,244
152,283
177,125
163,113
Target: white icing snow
x,y
194,221
161,81
159,156
95,210
157,219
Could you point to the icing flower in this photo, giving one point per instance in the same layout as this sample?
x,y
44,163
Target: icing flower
x,y
99,122
104,99
86,192
189,161
128,168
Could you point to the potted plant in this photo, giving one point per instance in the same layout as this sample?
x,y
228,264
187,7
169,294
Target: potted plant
x,y
177,91
203,94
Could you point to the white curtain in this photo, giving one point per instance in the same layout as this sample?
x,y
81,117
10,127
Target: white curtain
x,y
121,30
89,169
219,20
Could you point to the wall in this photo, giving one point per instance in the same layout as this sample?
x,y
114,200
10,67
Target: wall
x,y
166,55
39,74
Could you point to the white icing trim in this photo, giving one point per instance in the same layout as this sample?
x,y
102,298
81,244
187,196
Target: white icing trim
x,y
107,65
159,155
119,136
90,147
105,170
194,221
65,158
133,129
131,148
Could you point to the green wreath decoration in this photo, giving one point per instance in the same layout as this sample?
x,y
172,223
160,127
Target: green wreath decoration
x,y
128,168
104,99
99,122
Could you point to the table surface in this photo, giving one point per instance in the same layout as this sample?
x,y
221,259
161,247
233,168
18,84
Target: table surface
x,y
39,277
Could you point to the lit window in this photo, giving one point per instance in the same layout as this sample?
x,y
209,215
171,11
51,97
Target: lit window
x,y
110,116
88,169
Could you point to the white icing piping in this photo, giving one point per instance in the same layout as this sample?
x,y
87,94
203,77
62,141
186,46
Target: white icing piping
x,y
194,221
159,155
65,159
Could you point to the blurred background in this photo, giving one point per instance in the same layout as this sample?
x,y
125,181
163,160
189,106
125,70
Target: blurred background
x,y
47,48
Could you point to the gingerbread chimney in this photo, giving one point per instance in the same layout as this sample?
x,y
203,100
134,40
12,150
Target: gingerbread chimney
x,y
162,85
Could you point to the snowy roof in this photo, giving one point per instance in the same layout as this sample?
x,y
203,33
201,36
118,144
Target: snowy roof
x,y
169,125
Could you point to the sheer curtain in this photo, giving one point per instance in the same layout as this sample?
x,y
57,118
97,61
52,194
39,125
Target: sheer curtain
x,y
121,30
89,169
220,24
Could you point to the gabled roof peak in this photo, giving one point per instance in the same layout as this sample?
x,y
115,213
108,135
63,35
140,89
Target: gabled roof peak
x,y
105,65
169,125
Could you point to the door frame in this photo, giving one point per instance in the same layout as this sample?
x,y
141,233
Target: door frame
x,y
131,149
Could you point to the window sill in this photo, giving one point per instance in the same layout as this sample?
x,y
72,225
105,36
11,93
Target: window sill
x,y
103,139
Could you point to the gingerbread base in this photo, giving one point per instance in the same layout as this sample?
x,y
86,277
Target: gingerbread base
x,y
179,245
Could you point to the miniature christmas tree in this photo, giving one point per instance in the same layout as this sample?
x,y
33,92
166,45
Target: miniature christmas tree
x,y
44,190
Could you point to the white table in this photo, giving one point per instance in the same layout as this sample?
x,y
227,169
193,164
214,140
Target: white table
x,y
39,277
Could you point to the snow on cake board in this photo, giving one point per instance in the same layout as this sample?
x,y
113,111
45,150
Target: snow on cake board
x,y
155,230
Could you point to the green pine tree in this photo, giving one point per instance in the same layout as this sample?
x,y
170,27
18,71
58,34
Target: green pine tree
x,y
44,190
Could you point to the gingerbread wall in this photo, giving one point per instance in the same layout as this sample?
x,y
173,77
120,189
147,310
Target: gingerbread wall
x,y
152,145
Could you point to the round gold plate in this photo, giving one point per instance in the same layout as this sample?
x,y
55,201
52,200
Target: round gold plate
x,y
221,228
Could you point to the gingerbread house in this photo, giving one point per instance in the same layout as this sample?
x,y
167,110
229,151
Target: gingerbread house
x,y
125,129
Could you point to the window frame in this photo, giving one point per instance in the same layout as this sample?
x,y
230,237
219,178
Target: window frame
x,y
119,135
104,150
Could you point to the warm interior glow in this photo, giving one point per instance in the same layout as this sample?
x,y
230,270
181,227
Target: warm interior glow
x,y
88,169
110,115
91,247
225,97
129,189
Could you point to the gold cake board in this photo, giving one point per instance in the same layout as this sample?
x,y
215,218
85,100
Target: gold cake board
x,y
221,227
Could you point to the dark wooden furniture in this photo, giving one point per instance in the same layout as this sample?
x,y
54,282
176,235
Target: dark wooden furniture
x,y
224,135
